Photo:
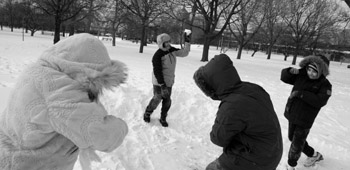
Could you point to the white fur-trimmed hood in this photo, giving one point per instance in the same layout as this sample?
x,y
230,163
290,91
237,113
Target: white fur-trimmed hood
x,y
92,68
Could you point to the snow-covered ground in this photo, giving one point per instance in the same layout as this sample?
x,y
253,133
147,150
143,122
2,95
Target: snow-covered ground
x,y
185,144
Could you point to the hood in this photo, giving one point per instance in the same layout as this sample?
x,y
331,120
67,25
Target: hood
x,y
161,39
218,77
321,61
85,59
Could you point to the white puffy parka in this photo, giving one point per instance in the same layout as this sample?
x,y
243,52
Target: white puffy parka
x,y
50,119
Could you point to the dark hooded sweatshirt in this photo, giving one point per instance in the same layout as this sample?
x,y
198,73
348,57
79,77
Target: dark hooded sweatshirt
x,y
313,94
246,125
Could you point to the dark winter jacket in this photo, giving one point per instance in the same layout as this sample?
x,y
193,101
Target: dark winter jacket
x,y
164,62
312,94
246,125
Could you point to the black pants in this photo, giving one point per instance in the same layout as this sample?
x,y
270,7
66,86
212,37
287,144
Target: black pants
x,y
297,135
157,98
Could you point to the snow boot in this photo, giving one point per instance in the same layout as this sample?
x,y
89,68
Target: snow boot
x,y
310,161
163,122
147,117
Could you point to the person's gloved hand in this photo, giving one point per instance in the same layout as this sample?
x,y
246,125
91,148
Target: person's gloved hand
x,y
294,71
187,36
295,94
92,96
164,91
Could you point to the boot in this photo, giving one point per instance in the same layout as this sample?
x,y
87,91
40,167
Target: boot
x,y
163,122
147,117
310,161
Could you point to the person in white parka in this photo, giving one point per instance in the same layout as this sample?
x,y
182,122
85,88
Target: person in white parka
x,y
53,114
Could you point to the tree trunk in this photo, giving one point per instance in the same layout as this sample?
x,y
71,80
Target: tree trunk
x,y
239,53
11,21
71,29
89,17
64,30
113,40
113,36
32,33
57,29
205,50
295,55
255,50
142,38
294,59
269,49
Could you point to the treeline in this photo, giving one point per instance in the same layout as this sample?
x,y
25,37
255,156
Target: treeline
x,y
301,24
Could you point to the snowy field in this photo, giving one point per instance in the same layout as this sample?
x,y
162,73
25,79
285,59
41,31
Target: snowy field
x,y
185,144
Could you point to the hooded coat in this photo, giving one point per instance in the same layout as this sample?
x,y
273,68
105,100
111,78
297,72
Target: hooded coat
x,y
164,61
246,125
312,95
54,114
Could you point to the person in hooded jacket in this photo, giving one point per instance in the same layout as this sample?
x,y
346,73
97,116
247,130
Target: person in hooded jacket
x,y
311,91
163,76
246,125
54,114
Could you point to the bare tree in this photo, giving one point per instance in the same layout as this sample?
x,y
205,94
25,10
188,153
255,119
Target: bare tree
x,y
33,16
115,17
251,14
183,13
84,19
272,27
62,11
2,14
303,20
146,11
9,11
328,18
92,14
213,12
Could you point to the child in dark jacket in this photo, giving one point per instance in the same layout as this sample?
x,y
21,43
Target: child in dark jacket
x,y
246,125
311,91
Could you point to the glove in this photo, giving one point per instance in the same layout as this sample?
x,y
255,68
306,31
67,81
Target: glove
x,y
164,91
294,71
296,94
187,35
92,96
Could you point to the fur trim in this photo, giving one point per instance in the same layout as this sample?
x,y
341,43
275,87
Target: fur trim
x,y
93,78
110,77
85,59
161,39
200,82
321,64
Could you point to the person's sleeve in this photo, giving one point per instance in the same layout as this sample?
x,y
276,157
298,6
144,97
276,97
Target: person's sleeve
x,y
85,123
288,77
226,127
321,98
158,67
184,51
